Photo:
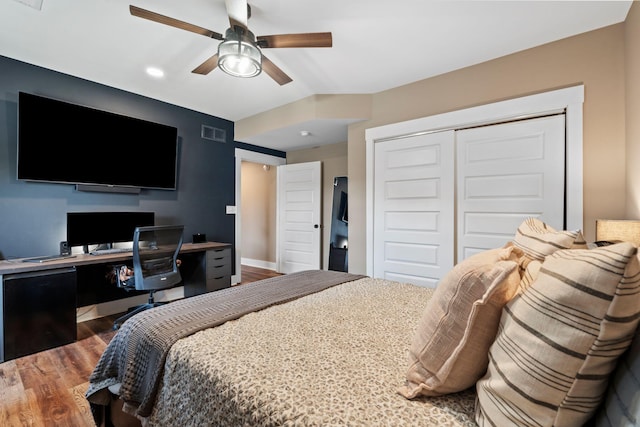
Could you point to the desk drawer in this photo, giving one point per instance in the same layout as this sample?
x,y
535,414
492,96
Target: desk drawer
x,y
214,272
219,256
219,283
218,263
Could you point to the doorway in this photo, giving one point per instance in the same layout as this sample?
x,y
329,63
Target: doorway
x,y
253,157
258,215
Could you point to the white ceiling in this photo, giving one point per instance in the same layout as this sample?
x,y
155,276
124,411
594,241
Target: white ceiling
x,y
377,45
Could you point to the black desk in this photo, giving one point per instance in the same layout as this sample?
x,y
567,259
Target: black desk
x,y
38,300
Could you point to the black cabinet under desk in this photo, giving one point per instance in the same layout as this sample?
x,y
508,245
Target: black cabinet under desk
x,y
39,311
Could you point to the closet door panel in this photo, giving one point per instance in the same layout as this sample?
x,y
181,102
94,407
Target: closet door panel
x,y
506,173
413,208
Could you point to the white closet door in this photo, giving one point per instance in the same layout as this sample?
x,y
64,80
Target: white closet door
x,y
506,173
413,208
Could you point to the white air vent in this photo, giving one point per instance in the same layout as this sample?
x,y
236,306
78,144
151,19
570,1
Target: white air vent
x,y
213,134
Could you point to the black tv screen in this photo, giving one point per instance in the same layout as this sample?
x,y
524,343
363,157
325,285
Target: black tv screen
x,y
68,143
93,228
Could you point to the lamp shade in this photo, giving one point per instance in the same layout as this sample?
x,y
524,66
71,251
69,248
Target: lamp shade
x,y
238,55
618,230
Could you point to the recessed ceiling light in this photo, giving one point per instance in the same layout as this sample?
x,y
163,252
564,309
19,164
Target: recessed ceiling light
x,y
155,72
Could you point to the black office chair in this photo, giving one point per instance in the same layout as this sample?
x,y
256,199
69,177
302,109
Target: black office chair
x,y
155,264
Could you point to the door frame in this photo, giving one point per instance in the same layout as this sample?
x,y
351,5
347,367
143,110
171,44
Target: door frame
x,y
570,100
254,157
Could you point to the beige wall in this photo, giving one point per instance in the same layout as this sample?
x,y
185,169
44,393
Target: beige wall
x,y
595,59
632,90
258,198
334,164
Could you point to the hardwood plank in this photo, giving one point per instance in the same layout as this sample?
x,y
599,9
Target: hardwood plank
x,y
102,327
253,274
84,331
78,393
22,411
36,367
10,382
57,405
73,365
92,347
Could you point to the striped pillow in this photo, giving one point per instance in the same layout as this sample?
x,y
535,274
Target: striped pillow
x,y
622,405
559,341
537,239
529,271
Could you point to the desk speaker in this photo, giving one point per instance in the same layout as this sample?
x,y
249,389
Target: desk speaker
x,y
199,238
64,248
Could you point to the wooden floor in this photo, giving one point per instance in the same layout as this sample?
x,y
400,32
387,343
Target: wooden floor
x,y
253,274
47,388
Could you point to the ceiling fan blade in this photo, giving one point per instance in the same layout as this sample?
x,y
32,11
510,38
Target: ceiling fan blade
x,y
296,40
162,19
207,66
238,11
274,72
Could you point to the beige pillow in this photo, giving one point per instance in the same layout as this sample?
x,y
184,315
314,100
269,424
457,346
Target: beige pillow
x,y
537,239
449,349
559,340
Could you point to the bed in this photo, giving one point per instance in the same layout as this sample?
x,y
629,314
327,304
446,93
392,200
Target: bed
x,y
256,370
323,348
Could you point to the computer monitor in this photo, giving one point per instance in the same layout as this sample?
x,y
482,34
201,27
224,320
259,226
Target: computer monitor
x,y
95,228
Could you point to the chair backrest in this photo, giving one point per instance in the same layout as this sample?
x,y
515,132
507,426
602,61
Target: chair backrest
x,y
155,251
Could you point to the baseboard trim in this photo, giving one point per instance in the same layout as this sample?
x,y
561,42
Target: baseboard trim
x,y
258,263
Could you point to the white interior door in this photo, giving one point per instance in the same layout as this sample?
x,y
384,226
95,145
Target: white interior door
x,y
299,217
506,173
414,208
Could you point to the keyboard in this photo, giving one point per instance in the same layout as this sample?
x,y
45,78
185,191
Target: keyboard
x,y
47,258
110,251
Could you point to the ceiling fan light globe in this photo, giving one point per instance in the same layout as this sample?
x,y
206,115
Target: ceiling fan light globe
x,y
243,67
239,57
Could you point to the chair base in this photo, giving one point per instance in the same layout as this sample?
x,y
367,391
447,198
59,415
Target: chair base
x,y
138,309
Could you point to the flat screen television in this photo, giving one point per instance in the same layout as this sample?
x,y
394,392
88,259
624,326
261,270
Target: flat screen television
x,y
96,228
61,142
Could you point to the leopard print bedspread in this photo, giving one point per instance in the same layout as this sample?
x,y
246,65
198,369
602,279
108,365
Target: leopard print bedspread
x,y
335,358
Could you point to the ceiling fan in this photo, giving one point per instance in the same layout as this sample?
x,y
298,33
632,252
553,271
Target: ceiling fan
x,y
240,51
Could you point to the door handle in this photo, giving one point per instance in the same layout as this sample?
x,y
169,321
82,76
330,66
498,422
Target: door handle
x,y
316,226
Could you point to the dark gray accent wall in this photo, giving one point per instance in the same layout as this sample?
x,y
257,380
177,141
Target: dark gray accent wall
x,y
33,215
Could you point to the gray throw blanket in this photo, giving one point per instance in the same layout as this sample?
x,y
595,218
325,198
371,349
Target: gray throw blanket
x,y
135,356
